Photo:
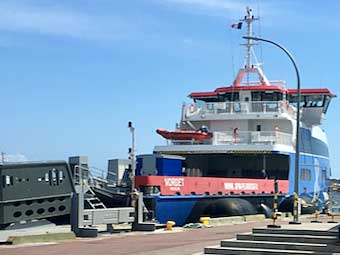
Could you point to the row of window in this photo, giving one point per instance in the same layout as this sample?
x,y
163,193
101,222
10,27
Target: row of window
x,y
255,96
271,96
30,212
306,174
311,101
52,177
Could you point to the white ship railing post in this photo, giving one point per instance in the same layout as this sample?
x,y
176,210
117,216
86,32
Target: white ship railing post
x,y
297,139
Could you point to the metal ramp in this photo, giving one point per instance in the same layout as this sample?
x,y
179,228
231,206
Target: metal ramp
x,y
83,220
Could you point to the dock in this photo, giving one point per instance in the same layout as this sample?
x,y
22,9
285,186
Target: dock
x,y
162,242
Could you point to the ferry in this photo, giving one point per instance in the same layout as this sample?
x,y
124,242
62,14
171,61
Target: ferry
x,y
232,143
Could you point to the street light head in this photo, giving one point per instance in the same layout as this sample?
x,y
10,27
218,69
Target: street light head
x,y
250,38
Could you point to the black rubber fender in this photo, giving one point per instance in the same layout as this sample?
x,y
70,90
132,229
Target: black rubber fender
x,y
229,207
288,203
266,210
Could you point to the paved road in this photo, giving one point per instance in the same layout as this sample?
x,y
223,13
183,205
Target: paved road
x,y
180,241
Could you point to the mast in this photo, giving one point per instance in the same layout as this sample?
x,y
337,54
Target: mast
x,y
2,157
250,67
249,19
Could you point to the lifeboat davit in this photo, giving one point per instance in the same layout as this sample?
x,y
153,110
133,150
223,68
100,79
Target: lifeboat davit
x,y
184,134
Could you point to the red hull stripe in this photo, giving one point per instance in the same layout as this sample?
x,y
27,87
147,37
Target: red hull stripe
x,y
172,185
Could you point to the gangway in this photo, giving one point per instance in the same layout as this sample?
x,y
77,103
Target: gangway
x,y
84,221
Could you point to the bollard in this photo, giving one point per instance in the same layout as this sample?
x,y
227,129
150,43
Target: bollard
x,y
295,210
331,213
316,212
205,220
275,212
169,225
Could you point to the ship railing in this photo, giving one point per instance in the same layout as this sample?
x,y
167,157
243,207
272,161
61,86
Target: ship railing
x,y
202,109
252,138
241,137
281,83
99,178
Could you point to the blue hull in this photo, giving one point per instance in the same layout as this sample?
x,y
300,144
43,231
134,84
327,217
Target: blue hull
x,y
314,177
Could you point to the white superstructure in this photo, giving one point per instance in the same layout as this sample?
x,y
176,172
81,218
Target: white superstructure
x,y
249,117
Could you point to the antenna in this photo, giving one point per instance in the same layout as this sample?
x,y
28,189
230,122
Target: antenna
x,y
260,29
249,67
2,157
249,19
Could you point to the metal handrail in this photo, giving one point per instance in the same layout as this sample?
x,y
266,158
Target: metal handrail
x,y
252,137
92,174
245,138
243,107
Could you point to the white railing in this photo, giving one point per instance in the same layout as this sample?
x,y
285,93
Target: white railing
x,y
252,137
239,108
243,138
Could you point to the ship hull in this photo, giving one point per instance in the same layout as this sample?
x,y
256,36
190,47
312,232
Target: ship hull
x,y
183,208
188,209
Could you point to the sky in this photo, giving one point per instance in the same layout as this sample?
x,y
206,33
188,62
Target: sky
x,y
73,73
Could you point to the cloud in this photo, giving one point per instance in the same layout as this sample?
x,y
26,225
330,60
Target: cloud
x,y
211,4
57,20
210,7
273,14
10,158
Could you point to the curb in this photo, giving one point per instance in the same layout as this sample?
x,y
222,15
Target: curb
x,y
235,219
42,238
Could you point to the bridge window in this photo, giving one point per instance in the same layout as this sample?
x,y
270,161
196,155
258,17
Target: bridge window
x,y
326,103
268,96
309,100
314,101
256,96
306,174
200,103
324,175
231,97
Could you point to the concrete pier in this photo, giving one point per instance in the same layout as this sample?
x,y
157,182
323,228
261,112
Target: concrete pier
x,y
307,238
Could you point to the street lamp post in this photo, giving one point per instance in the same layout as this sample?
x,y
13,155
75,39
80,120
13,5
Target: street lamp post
x,y
297,142
132,156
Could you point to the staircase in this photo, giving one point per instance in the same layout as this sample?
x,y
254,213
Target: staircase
x,y
91,198
94,202
82,185
308,238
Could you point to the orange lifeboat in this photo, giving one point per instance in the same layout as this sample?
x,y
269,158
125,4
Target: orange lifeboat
x,y
184,134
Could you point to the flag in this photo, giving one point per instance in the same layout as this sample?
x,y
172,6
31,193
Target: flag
x,y
237,25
